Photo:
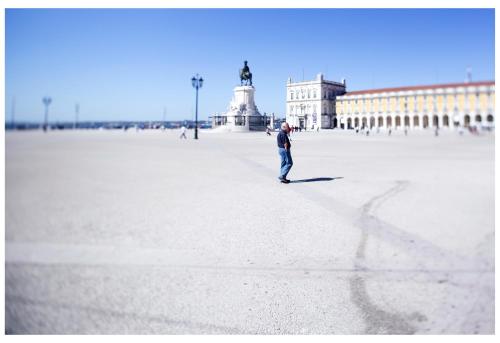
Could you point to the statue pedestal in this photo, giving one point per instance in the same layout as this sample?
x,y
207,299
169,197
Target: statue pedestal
x,y
243,114
243,100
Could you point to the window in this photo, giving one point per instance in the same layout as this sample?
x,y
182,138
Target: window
x,y
308,93
314,93
291,95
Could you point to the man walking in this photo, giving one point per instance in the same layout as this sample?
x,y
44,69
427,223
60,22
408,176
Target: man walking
x,y
183,132
284,152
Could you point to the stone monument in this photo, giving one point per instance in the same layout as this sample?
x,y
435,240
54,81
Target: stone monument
x,y
242,114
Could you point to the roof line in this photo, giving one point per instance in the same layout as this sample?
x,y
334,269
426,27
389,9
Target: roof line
x,y
399,89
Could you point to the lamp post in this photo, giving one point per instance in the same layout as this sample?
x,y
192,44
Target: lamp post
x,y
197,83
164,124
13,113
77,111
46,101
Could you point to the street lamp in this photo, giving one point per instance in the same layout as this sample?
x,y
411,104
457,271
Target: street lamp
x,y
77,111
46,101
13,113
197,83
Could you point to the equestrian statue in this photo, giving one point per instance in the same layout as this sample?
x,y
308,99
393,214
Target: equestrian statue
x,y
245,75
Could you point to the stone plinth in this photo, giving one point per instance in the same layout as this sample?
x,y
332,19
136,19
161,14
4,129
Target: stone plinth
x,y
243,114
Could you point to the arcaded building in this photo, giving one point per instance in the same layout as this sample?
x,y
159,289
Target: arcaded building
x,y
419,107
327,105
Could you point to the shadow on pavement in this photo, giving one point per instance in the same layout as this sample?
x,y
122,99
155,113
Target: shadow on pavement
x,y
317,179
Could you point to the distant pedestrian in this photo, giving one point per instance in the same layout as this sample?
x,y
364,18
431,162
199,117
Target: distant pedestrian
x,y
284,152
268,131
436,131
183,132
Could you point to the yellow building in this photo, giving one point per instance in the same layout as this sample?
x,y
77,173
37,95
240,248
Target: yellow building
x,y
444,106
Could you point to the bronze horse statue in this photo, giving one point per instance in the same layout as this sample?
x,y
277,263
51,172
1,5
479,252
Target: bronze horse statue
x,y
245,75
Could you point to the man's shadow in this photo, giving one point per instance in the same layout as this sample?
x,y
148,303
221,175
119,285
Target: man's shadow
x,y
316,179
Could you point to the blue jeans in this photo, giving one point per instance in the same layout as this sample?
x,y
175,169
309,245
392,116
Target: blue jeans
x,y
286,162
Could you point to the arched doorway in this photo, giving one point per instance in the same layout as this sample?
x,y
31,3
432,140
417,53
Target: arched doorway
x,y
435,121
398,121
356,122
335,122
478,118
489,118
380,121
407,121
349,123
466,120
446,121
426,122
416,122
364,122
372,122
388,121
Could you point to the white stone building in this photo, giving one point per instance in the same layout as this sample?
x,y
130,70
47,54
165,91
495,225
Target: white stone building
x,y
311,104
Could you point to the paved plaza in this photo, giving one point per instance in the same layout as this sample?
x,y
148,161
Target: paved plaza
x,y
119,232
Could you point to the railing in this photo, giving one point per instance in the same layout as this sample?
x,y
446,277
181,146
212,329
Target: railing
x,y
241,120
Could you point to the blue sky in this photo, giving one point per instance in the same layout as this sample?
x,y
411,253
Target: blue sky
x,y
128,64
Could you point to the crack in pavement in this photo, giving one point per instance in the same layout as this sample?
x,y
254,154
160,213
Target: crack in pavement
x,y
190,327
377,320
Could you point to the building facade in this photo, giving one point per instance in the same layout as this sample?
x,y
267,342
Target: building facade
x,y
311,104
419,107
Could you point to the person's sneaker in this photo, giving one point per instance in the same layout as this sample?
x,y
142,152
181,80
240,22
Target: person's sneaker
x,y
285,181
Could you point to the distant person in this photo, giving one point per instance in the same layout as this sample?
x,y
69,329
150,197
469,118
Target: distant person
x,y
268,131
436,131
390,131
284,152
183,132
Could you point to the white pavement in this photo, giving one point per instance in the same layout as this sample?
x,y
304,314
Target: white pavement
x,y
141,232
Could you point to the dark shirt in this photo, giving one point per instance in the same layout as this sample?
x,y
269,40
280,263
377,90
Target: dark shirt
x,y
282,139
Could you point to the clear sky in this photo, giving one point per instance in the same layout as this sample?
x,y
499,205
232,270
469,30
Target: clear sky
x,y
128,64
